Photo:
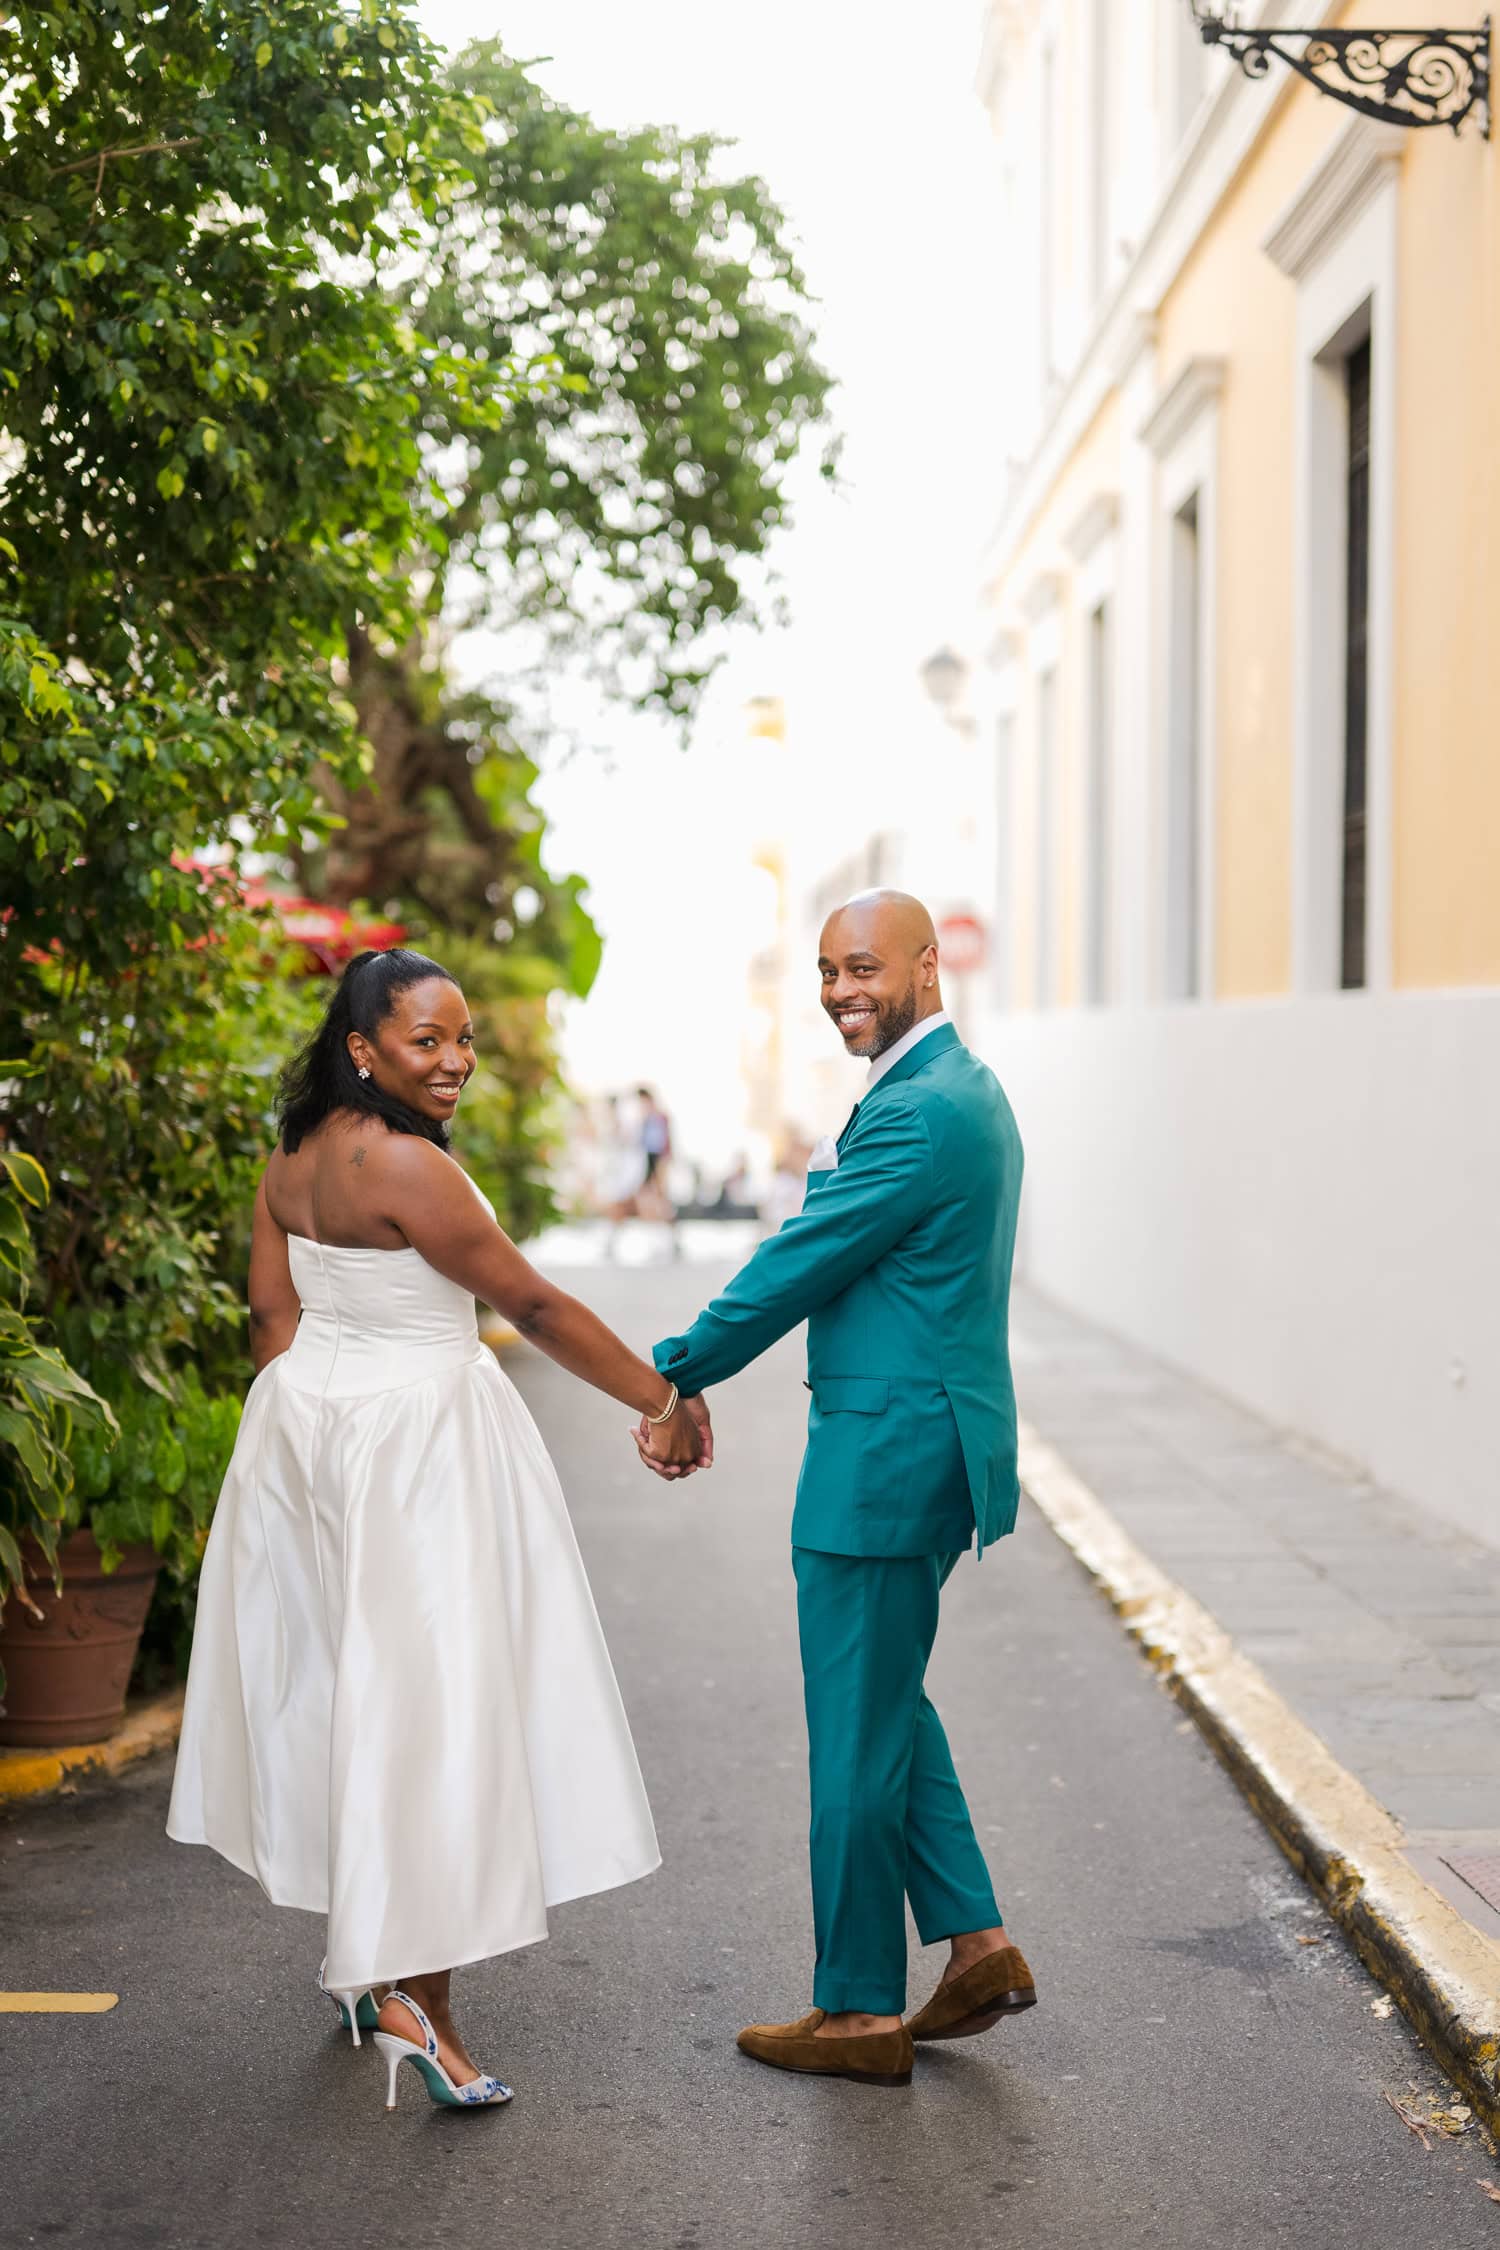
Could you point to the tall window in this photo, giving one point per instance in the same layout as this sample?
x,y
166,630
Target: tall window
x,y
1047,792
1184,754
1356,672
1097,901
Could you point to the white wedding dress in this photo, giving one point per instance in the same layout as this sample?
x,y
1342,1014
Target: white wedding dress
x,y
400,1708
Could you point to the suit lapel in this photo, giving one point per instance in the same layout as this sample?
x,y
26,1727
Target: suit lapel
x,y
939,1042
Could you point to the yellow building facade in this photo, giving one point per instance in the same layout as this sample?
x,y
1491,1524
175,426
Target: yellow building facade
x,y
1240,652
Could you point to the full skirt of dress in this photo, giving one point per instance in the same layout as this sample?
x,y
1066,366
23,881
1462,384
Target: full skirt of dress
x,y
400,1711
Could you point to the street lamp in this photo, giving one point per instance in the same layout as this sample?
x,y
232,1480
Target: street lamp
x,y
945,676
1396,77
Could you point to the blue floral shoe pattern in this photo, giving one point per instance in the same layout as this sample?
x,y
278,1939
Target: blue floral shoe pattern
x,y
483,2092
358,2011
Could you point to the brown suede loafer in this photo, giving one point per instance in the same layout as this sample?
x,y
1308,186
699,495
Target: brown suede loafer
x,y
999,1985
879,2058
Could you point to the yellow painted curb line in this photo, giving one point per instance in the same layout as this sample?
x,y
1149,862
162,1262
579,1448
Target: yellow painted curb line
x,y
1444,1973
37,1773
58,2003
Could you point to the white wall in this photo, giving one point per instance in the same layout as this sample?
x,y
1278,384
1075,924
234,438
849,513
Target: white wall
x,y
1297,1202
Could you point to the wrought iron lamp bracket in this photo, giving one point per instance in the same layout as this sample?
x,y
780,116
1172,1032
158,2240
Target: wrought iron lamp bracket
x,y
1398,77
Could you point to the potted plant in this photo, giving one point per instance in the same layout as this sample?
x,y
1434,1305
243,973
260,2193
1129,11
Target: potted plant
x,y
45,1409
123,1515
153,1494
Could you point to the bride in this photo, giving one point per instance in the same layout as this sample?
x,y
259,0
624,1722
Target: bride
x,y
400,1708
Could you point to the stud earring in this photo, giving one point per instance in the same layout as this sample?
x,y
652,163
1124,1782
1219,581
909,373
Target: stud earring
x,y
363,1072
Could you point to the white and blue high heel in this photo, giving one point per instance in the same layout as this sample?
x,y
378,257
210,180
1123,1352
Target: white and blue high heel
x,y
482,2092
358,2011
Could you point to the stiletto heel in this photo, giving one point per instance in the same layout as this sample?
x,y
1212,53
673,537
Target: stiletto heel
x,y
357,2010
483,2092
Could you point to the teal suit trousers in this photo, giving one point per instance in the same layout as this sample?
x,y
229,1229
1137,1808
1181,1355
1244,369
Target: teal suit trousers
x,y
889,1822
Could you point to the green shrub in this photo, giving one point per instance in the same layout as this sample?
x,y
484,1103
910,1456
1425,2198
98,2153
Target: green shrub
x,y
157,1487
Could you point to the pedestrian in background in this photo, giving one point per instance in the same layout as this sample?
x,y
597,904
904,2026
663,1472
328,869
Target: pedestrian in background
x,y
622,1170
654,1200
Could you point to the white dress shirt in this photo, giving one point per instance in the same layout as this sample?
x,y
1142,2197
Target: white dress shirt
x,y
825,1156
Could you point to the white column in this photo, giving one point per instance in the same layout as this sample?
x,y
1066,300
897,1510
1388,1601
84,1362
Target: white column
x,y
1133,845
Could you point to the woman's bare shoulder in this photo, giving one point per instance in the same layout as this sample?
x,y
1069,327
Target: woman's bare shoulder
x,y
404,1160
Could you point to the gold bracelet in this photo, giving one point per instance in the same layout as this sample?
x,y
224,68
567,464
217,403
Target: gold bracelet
x,y
667,1411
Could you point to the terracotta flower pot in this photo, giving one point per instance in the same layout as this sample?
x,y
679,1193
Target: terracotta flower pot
x,y
67,1670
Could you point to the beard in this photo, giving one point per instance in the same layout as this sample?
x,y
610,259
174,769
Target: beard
x,y
894,1025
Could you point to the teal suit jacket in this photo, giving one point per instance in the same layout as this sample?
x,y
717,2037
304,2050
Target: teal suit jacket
x,y
900,1264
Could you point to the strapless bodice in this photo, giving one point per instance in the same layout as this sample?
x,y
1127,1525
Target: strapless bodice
x,y
374,1320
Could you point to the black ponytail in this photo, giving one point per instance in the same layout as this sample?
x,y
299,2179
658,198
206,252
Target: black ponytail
x,y
322,1078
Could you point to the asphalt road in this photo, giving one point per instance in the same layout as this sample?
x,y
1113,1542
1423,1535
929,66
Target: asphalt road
x,y
1195,2078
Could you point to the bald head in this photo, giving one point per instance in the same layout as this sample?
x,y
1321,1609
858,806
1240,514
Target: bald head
x,y
893,918
879,965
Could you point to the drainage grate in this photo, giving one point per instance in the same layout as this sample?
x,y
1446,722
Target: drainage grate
x,y
1480,1870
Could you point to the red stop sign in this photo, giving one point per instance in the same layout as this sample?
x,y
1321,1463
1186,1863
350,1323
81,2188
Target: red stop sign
x,y
961,943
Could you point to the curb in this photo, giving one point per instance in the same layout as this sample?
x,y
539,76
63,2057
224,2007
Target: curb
x,y
38,1773
1444,1974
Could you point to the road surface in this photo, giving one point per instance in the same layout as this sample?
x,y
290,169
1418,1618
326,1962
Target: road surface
x,y
1197,2077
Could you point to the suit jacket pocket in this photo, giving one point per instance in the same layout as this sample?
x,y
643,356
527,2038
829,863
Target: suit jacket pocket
x,y
851,1394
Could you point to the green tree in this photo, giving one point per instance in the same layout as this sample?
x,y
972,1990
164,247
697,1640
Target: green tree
x,y
626,511
277,288
214,436
214,428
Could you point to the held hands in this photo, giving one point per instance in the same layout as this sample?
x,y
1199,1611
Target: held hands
x,y
681,1444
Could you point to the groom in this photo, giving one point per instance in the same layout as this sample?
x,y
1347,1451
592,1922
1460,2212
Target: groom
x,y
900,1263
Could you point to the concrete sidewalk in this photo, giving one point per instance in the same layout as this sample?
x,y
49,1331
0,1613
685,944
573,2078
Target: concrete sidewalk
x,y
1363,1637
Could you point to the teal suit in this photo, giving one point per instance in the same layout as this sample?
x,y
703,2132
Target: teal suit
x,y
900,1263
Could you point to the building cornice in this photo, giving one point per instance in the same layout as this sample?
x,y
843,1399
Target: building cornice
x,y
1331,198
1042,596
1089,530
1181,404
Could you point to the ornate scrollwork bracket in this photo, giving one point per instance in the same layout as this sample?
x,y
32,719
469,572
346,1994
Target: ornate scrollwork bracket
x,y
1398,77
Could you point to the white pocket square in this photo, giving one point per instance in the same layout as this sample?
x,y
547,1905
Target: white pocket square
x,y
825,1156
